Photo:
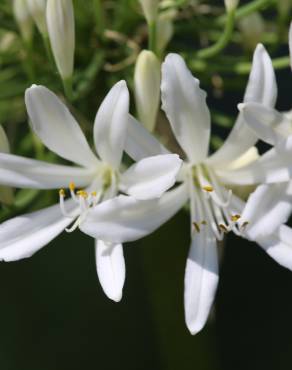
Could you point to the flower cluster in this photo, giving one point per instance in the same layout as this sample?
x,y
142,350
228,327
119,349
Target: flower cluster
x,y
115,204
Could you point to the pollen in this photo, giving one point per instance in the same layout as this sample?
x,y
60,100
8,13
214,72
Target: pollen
x,y
204,222
94,193
235,218
62,192
208,188
72,186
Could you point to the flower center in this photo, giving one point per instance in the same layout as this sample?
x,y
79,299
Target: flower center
x,y
102,188
212,204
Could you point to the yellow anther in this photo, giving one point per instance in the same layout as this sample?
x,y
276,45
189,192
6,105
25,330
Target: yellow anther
x,y
82,193
223,228
208,188
62,192
94,193
197,227
72,186
204,222
235,218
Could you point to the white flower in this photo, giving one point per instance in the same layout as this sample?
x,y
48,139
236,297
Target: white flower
x,y
37,10
147,88
206,182
231,5
60,22
23,18
100,178
6,193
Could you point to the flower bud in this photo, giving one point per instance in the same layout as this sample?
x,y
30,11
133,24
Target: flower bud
x,y
60,21
150,9
23,19
37,10
252,28
164,29
147,88
231,5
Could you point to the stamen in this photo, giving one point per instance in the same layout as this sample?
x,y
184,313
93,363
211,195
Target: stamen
x,y
208,188
62,193
62,203
244,225
235,218
72,186
223,228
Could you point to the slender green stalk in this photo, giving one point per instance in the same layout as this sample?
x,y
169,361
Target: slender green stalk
x,y
222,41
47,45
152,29
99,17
247,9
67,85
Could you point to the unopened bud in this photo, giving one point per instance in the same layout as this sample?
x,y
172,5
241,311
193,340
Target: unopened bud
x,y
6,193
60,21
23,19
231,5
252,28
147,88
164,29
37,10
150,9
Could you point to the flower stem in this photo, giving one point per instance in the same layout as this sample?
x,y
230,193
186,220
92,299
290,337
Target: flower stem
x,y
67,84
222,41
152,36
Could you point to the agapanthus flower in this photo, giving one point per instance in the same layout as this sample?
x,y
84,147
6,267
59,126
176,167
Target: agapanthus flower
x,y
206,182
98,178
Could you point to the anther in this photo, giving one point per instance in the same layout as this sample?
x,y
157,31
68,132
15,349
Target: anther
x,y
235,218
82,193
223,228
94,193
208,188
244,225
197,227
204,222
61,192
72,186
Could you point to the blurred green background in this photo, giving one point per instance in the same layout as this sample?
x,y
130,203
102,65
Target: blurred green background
x,y
54,313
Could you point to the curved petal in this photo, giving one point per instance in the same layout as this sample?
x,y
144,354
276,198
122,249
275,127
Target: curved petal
x,y
22,236
185,106
123,218
4,143
268,124
279,246
52,122
268,207
140,143
273,167
110,266
261,88
110,125
201,280
23,172
151,177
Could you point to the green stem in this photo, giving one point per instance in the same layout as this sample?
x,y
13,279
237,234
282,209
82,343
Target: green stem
x,y
99,17
247,9
240,68
222,41
67,84
48,50
152,36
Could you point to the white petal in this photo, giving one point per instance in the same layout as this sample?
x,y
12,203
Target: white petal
x,y
125,218
55,126
29,173
201,280
151,177
268,207
251,155
140,143
273,167
185,106
110,265
22,236
261,88
268,124
110,125
279,246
